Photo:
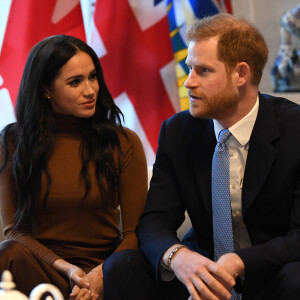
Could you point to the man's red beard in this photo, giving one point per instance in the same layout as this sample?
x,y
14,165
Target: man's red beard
x,y
217,106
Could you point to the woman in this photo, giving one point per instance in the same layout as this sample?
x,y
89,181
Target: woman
x,y
67,164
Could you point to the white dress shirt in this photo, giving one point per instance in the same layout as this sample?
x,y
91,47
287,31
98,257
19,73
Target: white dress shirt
x,y
238,145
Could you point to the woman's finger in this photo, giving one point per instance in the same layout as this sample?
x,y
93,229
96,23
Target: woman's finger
x,y
75,291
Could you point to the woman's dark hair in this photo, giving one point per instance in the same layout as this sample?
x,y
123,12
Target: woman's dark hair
x,y
33,134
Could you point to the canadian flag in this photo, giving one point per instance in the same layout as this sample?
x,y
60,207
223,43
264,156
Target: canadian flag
x,y
132,40
29,22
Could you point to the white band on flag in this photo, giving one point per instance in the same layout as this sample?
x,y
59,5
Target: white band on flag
x,y
7,114
94,40
146,13
4,12
62,8
132,122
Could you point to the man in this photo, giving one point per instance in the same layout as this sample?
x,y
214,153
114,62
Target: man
x,y
226,57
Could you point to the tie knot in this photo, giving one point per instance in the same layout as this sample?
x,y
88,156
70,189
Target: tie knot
x,y
224,136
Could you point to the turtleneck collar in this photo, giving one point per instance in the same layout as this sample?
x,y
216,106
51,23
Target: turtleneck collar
x,y
68,123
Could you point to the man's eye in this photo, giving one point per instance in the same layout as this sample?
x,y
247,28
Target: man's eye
x,y
203,70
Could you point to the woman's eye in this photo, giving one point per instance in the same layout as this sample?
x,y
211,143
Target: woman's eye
x,y
74,82
93,76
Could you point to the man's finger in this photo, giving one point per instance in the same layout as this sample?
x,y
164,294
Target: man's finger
x,y
211,286
191,298
205,293
221,273
199,290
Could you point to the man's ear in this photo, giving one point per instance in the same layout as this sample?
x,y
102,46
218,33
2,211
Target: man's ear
x,y
243,73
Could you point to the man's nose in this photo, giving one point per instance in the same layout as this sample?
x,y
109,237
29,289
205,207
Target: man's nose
x,y
191,80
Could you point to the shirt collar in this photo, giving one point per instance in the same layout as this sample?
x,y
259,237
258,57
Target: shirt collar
x,y
243,128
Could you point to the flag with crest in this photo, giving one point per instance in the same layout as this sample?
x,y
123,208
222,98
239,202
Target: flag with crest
x,y
141,46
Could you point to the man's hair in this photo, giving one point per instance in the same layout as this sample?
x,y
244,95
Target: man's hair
x,y
239,41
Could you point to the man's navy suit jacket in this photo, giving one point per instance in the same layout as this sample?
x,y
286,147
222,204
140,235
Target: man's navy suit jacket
x,y
270,194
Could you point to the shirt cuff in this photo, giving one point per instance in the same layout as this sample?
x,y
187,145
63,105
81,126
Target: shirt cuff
x,y
165,274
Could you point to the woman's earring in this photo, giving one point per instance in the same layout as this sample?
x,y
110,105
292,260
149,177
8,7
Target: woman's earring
x,y
48,97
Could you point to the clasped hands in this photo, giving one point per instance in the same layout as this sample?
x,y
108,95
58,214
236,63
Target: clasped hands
x,y
205,279
86,286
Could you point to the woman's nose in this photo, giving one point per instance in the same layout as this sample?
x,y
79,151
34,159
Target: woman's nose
x,y
88,89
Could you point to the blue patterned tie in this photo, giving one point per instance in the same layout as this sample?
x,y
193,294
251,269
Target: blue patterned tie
x,y
221,205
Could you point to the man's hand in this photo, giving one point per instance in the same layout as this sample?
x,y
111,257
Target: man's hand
x,y
233,264
199,274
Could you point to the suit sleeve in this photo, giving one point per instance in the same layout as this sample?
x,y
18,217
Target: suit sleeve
x,y
164,212
264,260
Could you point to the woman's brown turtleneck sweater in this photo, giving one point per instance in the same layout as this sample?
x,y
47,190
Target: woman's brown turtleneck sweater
x,y
86,232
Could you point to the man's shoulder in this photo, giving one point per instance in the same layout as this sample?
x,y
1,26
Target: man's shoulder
x,y
183,127
180,116
280,104
286,112
184,118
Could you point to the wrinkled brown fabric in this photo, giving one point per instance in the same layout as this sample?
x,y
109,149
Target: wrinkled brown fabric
x,y
29,270
83,233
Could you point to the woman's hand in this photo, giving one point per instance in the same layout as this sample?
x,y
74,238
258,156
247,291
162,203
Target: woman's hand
x,y
77,277
95,291
82,294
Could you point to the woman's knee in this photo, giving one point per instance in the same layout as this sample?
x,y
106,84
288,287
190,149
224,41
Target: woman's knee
x,y
14,256
11,250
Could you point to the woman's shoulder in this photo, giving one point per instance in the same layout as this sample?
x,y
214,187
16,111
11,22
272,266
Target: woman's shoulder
x,y
128,136
8,136
130,141
131,147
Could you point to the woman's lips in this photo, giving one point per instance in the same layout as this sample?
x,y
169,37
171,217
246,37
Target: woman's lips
x,y
89,103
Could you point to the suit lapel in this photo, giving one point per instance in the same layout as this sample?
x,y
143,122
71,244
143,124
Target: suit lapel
x,y
203,145
261,154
